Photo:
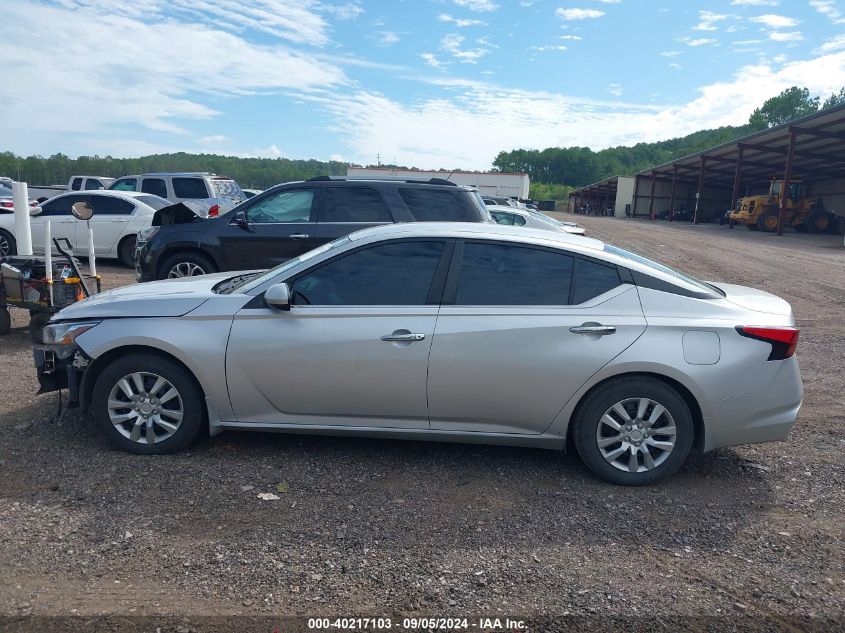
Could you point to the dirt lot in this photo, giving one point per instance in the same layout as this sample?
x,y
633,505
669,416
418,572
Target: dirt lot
x,y
367,527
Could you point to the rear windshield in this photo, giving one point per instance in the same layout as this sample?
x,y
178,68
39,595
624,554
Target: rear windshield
x,y
227,190
154,201
439,205
692,281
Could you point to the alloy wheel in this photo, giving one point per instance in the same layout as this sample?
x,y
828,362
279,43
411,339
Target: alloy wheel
x,y
145,407
185,269
5,247
636,435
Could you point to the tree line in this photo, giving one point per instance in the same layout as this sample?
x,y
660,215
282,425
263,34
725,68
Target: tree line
x,y
554,171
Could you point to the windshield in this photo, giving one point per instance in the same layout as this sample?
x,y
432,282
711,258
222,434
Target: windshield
x,y
5,191
273,272
154,201
613,250
479,202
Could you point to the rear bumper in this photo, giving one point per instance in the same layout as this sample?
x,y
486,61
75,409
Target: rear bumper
x,y
764,414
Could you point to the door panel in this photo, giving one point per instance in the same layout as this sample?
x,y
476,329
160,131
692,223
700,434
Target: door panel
x,y
62,223
511,370
112,219
328,365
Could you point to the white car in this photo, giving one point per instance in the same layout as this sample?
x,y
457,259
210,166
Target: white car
x,y
512,216
118,217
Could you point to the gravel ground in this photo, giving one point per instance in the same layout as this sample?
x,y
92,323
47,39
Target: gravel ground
x,y
364,527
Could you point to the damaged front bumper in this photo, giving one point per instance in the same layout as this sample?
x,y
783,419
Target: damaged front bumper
x,y
58,368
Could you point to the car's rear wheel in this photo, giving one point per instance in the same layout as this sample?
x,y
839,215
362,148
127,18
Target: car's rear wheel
x,y
8,246
148,405
633,431
186,265
126,251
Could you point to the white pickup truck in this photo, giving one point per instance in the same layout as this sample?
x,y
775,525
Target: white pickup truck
x,y
76,183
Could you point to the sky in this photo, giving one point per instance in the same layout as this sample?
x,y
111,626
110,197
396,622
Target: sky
x,y
426,83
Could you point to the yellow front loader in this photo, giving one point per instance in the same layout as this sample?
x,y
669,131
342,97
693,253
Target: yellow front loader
x,y
803,213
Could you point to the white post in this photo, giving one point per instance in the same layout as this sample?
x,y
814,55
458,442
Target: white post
x,y
23,230
48,259
92,261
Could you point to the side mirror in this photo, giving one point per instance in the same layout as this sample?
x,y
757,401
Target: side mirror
x,y
82,210
240,219
33,211
278,297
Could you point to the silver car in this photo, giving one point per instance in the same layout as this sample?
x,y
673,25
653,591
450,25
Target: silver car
x,y
440,331
511,216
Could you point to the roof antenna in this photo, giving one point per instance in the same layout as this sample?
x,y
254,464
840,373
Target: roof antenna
x,y
450,175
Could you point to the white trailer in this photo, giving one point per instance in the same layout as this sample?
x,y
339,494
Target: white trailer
x,y
490,183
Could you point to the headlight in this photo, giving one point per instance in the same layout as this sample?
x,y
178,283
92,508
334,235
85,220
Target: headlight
x,y
147,234
66,333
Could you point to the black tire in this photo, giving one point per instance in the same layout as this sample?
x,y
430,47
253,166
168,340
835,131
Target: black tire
x,y
768,221
589,416
819,221
37,322
186,260
188,391
5,321
126,251
8,245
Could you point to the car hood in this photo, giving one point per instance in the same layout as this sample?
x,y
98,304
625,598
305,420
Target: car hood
x,y
753,299
168,298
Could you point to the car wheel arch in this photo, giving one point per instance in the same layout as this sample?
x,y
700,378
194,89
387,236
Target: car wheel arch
x,y
177,249
99,364
682,390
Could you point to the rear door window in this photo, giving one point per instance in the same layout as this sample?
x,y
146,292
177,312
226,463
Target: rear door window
x,y
438,205
76,185
355,204
111,205
61,206
155,186
503,275
593,279
190,188
92,184
124,184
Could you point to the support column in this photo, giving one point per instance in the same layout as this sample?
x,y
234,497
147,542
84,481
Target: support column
x,y
636,195
700,187
651,196
787,175
737,181
672,193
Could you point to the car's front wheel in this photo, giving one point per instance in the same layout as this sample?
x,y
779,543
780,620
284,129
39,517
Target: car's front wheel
x,y
633,431
147,404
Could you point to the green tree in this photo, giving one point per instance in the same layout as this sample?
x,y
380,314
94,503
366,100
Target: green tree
x,y
836,99
792,103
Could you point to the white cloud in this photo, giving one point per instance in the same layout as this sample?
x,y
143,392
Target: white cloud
x,y
609,1
708,19
615,89
460,23
477,5
574,38
455,131
431,60
675,65
703,41
387,38
271,151
578,14
826,8
452,42
775,21
213,139
347,11
551,47
784,36
747,42
835,44
337,158
756,3
670,54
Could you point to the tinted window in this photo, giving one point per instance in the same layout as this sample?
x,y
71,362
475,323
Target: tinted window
x,y
154,201
437,205
155,186
124,184
592,279
503,218
355,204
92,184
390,274
189,188
495,274
76,185
285,206
61,205
111,205
658,266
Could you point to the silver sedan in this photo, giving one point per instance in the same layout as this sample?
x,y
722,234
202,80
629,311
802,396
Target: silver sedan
x,y
449,332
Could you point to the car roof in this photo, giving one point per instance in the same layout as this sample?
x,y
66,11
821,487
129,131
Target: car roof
x,y
478,230
178,173
114,193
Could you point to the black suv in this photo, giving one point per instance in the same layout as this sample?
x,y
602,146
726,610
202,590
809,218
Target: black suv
x,y
293,218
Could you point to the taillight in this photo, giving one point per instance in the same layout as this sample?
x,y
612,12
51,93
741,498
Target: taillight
x,y
783,340
6,205
214,211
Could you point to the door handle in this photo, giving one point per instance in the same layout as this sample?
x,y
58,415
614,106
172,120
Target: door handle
x,y
410,336
595,330
299,236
